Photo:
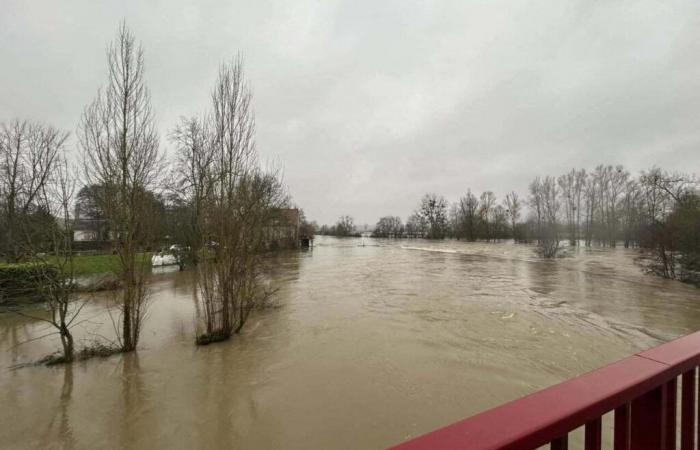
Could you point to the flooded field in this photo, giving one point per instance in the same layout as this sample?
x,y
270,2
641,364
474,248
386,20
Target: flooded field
x,y
370,342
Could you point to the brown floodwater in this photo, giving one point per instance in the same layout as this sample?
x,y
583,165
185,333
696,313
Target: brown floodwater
x,y
367,345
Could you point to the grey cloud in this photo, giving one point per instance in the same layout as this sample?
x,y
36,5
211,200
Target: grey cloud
x,y
368,105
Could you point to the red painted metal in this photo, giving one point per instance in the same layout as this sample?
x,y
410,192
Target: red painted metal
x,y
593,434
561,443
670,425
622,436
641,389
688,394
648,420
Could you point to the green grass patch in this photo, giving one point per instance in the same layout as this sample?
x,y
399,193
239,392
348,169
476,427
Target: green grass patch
x,y
104,264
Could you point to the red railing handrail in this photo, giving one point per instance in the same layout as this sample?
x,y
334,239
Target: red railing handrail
x,y
544,416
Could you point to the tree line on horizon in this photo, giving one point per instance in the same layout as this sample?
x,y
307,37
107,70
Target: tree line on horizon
x,y
221,201
657,211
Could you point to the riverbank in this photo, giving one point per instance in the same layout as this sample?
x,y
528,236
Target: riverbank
x,y
93,273
87,265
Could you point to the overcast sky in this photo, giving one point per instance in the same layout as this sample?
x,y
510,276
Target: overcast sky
x,y
369,104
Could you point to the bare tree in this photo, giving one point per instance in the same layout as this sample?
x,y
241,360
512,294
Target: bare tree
x,y
513,208
415,226
567,183
544,199
591,189
28,152
631,211
549,241
239,204
388,227
614,181
536,203
120,152
578,191
487,202
194,171
345,226
433,210
671,223
467,220
57,280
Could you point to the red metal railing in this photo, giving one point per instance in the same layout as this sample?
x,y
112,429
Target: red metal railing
x,y
641,391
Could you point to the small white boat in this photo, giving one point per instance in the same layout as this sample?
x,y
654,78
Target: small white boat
x,y
163,260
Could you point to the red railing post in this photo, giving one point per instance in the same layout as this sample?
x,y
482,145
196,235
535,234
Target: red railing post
x,y
688,388
622,427
593,434
561,443
649,420
670,425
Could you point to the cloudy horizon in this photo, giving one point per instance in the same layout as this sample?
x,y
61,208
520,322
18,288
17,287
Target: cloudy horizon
x,y
368,106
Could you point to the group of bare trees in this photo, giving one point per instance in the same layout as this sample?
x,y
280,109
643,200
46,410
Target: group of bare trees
x,y
432,216
344,227
120,156
228,200
389,227
28,153
36,194
656,211
606,206
232,201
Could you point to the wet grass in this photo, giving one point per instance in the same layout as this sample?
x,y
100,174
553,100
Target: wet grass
x,y
87,265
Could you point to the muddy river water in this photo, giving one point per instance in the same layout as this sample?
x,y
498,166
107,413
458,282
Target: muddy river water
x,y
370,342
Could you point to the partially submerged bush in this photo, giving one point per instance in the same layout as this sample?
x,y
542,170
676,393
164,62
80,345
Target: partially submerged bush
x,y
206,339
94,350
25,281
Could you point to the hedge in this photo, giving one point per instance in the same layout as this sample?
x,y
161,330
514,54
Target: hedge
x,y
23,282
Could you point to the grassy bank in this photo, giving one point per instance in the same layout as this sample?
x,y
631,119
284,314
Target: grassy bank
x,y
89,264
21,282
104,264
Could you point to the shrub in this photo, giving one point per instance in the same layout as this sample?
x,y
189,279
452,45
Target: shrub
x,y
24,282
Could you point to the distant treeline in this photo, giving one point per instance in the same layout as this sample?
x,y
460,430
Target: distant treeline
x,y
344,227
657,211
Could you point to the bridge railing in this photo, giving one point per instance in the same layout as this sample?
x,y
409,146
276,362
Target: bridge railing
x,y
652,396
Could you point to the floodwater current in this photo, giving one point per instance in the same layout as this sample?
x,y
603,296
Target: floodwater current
x,y
369,342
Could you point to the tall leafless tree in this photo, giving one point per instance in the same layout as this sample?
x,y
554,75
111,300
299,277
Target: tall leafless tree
x,y
513,209
240,203
194,182
120,152
486,204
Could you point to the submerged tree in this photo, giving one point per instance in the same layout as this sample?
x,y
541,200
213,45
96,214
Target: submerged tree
x,y
433,211
467,217
345,226
120,153
239,203
513,208
388,227
56,267
671,225
545,203
47,249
